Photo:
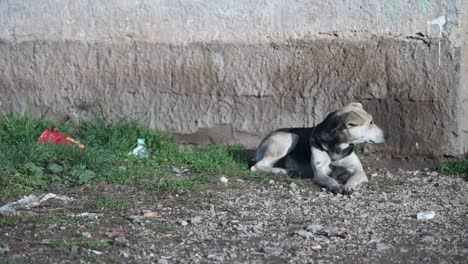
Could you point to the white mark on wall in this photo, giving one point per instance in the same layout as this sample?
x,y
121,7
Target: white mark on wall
x,y
440,21
218,62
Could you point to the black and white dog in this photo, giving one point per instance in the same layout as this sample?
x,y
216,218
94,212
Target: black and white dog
x,y
323,150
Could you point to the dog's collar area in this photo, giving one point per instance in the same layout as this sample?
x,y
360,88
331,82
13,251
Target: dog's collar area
x,y
334,152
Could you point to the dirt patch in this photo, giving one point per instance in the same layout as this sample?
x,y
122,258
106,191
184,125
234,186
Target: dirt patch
x,y
240,221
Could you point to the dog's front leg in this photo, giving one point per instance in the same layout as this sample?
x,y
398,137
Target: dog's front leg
x,y
353,166
320,163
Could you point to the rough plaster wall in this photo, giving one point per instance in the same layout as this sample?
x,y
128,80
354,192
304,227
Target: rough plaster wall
x,y
231,71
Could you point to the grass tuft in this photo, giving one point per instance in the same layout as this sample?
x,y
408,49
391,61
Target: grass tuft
x,y
28,166
456,167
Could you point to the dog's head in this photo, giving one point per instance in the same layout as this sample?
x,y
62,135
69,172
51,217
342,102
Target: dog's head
x,y
351,125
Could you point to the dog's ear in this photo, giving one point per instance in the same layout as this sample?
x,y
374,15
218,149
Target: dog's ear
x,y
329,130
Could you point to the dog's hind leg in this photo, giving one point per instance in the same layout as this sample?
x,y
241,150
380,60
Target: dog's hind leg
x,y
272,149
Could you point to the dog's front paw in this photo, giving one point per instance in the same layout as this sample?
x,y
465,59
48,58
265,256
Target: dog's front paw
x,y
336,188
352,186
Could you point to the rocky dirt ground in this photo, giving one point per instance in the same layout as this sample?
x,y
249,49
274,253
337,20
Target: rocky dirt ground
x,y
283,221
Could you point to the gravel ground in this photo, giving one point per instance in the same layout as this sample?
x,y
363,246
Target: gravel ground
x,y
288,221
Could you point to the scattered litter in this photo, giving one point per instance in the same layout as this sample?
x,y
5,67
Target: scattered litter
x,y
31,201
148,213
223,179
140,151
179,171
57,138
425,215
96,252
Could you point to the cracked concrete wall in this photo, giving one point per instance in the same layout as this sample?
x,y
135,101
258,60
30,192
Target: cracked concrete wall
x,y
231,71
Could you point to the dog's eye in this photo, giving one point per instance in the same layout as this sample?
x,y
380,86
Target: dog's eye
x,y
352,125
372,122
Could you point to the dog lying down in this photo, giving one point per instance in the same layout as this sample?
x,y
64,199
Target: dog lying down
x,y
322,151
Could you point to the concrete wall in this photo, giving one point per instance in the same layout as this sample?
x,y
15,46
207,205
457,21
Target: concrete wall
x,y
230,71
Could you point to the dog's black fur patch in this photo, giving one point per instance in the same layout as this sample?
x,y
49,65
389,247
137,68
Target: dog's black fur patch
x,y
326,136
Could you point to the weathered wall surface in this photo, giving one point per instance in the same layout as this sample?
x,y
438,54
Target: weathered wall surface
x,y
231,71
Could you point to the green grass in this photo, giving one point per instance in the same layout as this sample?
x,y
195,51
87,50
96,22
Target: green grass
x,y
106,158
112,203
66,244
456,167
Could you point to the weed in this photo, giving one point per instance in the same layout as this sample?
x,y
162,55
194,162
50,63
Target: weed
x,y
112,203
456,167
65,244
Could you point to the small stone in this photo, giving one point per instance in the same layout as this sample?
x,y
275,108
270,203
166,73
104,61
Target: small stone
x,y
4,248
196,220
428,215
381,246
183,223
434,174
304,234
314,228
293,186
316,247
63,228
162,261
73,252
86,234
223,179
271,182
122,241
148,213
273,251
427,238
137,219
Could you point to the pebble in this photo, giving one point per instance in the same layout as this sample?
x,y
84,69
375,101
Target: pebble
x,y
183,223
428,215
381,246
305,234
223,179
4,248
427,238
86,234
273,251
293,186
162,261
314,228
122,241
196,220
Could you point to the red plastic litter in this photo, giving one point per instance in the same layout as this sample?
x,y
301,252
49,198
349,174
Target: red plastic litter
x,y
54,137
